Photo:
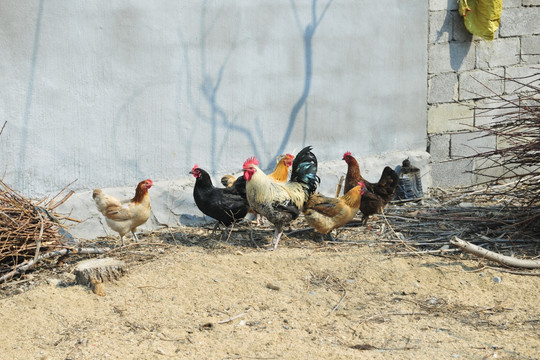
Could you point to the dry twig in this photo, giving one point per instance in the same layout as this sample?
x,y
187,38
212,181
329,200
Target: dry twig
x,y
25,234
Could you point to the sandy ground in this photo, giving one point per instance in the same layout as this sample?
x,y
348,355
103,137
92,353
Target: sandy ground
x,y
189,296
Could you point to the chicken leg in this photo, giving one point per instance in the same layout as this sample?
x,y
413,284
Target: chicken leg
x,y
276,237
215,227
135,235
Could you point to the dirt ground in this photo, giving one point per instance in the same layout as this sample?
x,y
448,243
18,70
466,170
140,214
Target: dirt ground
x,y
188,295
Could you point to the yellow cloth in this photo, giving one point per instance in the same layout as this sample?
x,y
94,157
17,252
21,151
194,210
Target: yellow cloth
x,y
481,17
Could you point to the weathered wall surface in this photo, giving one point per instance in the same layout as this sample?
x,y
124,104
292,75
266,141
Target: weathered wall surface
x,y
109,93
466,75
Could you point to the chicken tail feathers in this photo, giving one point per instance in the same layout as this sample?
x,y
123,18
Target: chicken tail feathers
x,y
304,170
388,172
386,187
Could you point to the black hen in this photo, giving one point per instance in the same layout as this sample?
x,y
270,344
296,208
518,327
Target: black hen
x,y
226,205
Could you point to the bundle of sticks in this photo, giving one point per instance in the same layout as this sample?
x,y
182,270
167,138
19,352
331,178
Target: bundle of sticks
x,y
27,229
514,121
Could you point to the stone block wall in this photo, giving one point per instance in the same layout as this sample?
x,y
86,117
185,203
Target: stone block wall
x,y
466,73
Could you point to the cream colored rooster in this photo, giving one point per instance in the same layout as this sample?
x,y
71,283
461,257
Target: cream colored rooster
x,y
281,203
280,174
126,215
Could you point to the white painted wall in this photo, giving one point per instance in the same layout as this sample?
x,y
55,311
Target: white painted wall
x,y
112,92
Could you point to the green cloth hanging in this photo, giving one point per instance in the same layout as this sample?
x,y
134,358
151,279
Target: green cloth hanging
x,y
481,17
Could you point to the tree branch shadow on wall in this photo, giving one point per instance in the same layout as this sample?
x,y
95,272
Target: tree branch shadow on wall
x,y
21,173
308,33
217,117
209,88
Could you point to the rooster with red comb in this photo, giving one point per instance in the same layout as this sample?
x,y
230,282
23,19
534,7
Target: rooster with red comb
x,y
281,203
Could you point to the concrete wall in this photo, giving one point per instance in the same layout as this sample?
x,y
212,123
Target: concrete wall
x,y
111,92
108,93
466,77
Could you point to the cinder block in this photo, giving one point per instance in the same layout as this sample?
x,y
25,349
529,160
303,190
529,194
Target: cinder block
x,y
520,21
453,117
439,147
524,78
504,142
478,84
453,56
499,52
493,110
452,173
442,88
468,144
459,31
487,170
530,45
511,3
443,5
440,26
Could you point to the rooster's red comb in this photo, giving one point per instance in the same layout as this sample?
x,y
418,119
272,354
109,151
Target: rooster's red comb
x,y
195,167
290,156
348,153
251,161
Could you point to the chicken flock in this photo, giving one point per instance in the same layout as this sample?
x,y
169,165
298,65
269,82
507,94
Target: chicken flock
x,y
278,197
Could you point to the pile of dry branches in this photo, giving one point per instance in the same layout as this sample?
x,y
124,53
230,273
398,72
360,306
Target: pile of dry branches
x,y
26,229
502,211
515,122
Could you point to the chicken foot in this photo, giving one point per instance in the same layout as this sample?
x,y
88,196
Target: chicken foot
x,y
364,220
331,237
215,227
276,238
134,235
